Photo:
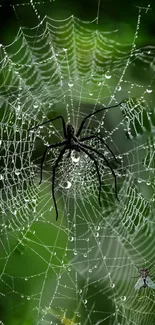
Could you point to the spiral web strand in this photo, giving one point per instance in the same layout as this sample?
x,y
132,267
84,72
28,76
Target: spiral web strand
x,y
65,269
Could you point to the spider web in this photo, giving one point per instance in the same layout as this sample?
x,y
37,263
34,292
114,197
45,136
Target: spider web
x,y
80,269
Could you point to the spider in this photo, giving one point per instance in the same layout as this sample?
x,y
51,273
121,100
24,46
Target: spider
x,y
72,142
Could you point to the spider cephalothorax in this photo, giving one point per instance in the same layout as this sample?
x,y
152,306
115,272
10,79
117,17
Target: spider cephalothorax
x,y
72,142
70,130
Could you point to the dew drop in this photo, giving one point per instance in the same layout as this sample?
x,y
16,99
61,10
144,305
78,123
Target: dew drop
x,y
119,88
66,185
71,238
107,75
139,181
113,285
123,298
75,156
149,90
70,84
17,172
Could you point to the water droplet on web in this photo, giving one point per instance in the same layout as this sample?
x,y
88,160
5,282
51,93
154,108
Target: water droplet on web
x,y
112,285
26,279
1,177
90,94
66,185
119,88
17,172
75,156
71,238
28,298
107,75
149,90
123,298
70,84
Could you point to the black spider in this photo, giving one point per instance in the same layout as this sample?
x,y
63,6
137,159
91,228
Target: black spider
x,y
72,142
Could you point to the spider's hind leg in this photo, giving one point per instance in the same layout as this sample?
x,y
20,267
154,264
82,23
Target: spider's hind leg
x,y
53,179
103,157
97,170
96,136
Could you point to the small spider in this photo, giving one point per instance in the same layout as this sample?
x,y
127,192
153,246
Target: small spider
x,y
144,280
72,142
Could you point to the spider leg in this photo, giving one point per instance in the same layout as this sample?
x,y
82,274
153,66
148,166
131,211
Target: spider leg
x,y
44,155
107,162
53,178
97,169
53,119
99,110
98,137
